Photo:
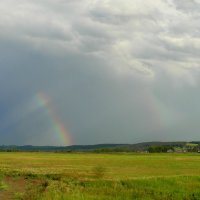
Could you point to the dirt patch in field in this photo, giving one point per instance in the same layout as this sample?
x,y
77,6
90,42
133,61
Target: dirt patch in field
x,y
17,187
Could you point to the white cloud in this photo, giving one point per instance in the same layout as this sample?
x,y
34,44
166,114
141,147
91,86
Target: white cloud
x,y
134,34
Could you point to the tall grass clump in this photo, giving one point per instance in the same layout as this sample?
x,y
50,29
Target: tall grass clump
x,y
3,186
98,171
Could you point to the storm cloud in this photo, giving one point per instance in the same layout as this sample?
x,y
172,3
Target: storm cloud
x,y
114,71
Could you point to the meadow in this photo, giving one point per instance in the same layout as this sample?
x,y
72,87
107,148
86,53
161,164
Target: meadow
x,y
63,176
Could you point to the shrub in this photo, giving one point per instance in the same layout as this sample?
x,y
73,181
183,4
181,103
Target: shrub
x,y
99,171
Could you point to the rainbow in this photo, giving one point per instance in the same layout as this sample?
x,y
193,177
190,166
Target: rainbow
x,y
59,128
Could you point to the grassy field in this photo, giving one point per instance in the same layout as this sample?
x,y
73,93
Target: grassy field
x,y
46,176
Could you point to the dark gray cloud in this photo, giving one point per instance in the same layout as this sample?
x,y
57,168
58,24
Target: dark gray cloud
x,y
114,71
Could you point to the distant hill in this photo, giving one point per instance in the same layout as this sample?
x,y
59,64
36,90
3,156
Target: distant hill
x,y
58,148
131,147
146,145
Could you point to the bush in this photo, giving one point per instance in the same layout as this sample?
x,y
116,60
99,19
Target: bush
x,y
99,171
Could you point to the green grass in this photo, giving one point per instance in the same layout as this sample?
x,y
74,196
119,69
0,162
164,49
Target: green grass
x,y
104,176
159,188
3,186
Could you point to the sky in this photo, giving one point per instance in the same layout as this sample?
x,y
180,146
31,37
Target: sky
x,y
99,71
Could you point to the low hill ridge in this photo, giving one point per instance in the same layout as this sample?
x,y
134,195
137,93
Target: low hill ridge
x,y
132,147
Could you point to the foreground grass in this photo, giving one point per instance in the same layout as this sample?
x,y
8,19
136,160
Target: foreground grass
x,y
178,188
159,188
46,176
3,186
